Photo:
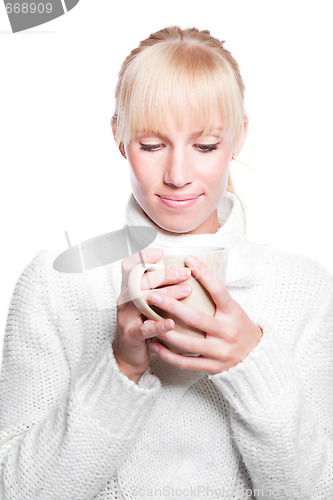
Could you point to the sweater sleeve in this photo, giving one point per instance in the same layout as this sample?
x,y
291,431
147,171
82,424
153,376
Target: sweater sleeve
x,y
60,438
281,411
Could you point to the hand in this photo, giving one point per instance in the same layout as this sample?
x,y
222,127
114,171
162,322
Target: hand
x,y
130,342
230,334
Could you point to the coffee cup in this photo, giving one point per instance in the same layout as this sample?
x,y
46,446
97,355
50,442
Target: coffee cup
x,y
199,298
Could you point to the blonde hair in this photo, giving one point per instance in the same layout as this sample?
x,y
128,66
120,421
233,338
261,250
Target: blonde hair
x,y
185,71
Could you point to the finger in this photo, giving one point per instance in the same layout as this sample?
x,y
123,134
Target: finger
x,y
128,313
176,291
149,255
186,362
190,315
153,279
212,283
189,343
151,328
125,301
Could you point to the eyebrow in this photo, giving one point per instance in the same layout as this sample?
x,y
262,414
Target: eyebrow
x,y
214,132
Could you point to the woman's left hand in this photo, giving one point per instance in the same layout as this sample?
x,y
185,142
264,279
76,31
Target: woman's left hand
x,y
230,334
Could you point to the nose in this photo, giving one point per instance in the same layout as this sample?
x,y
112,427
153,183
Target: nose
x,y
178,171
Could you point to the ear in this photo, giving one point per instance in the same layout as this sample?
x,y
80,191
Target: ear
x,y
114,125
239,146
114,130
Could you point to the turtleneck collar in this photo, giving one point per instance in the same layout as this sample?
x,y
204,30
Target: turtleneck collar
x,y
230,235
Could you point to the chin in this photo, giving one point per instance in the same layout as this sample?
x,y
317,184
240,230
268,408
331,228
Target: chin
x,y
174,228
168,225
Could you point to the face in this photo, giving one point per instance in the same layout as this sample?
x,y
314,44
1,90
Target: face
x,y
179,175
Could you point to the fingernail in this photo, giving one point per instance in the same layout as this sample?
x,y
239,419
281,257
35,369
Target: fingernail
x,y
154,347
184,272
168,324
155,298
193,261
185,288
154,252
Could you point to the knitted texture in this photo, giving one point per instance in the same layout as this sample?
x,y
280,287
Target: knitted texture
x,y
72,427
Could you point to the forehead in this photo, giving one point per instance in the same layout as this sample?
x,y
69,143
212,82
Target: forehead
x,y
189,123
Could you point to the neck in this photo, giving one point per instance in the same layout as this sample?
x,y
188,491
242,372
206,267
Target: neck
x,y
226,227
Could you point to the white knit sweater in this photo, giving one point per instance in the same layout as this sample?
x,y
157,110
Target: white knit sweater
x,y
74,428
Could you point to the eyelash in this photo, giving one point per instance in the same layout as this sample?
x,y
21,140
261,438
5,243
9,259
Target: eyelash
x,y
203,148
149,147
206,148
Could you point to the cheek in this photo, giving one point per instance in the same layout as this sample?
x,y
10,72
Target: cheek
x,y
141,173
135,164
218,183
218,175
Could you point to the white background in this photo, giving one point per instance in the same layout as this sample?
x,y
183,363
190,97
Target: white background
x,y
60,169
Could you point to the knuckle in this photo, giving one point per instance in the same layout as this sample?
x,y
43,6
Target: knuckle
x,y
195,318
120,301
132,334
158,326
215,368
123,301
175,292
126,265
148,254
230,331
181,364
172,274
220,287
189,345
146,325
231,336
227,353
172,291
120,319
142,330
206,273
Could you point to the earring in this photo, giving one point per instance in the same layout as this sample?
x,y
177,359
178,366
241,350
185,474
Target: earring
x,y
233,157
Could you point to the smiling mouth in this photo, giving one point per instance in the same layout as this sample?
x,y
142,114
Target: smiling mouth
x,y
181,197
179,201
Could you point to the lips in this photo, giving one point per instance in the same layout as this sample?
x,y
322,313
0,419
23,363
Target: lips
x,y
179,201
179,197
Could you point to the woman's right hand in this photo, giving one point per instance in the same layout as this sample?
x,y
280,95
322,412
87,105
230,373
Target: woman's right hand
x,y
130,345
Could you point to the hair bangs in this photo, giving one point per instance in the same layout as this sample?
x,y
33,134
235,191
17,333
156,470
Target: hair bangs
x,y
196,84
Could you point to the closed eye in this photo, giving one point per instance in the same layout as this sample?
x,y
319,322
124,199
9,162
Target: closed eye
x,y
150,147
203,148
206,148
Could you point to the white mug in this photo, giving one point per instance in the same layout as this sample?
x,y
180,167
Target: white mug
x,y
199,298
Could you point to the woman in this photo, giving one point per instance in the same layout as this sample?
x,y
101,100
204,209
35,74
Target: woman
x,y
89,408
